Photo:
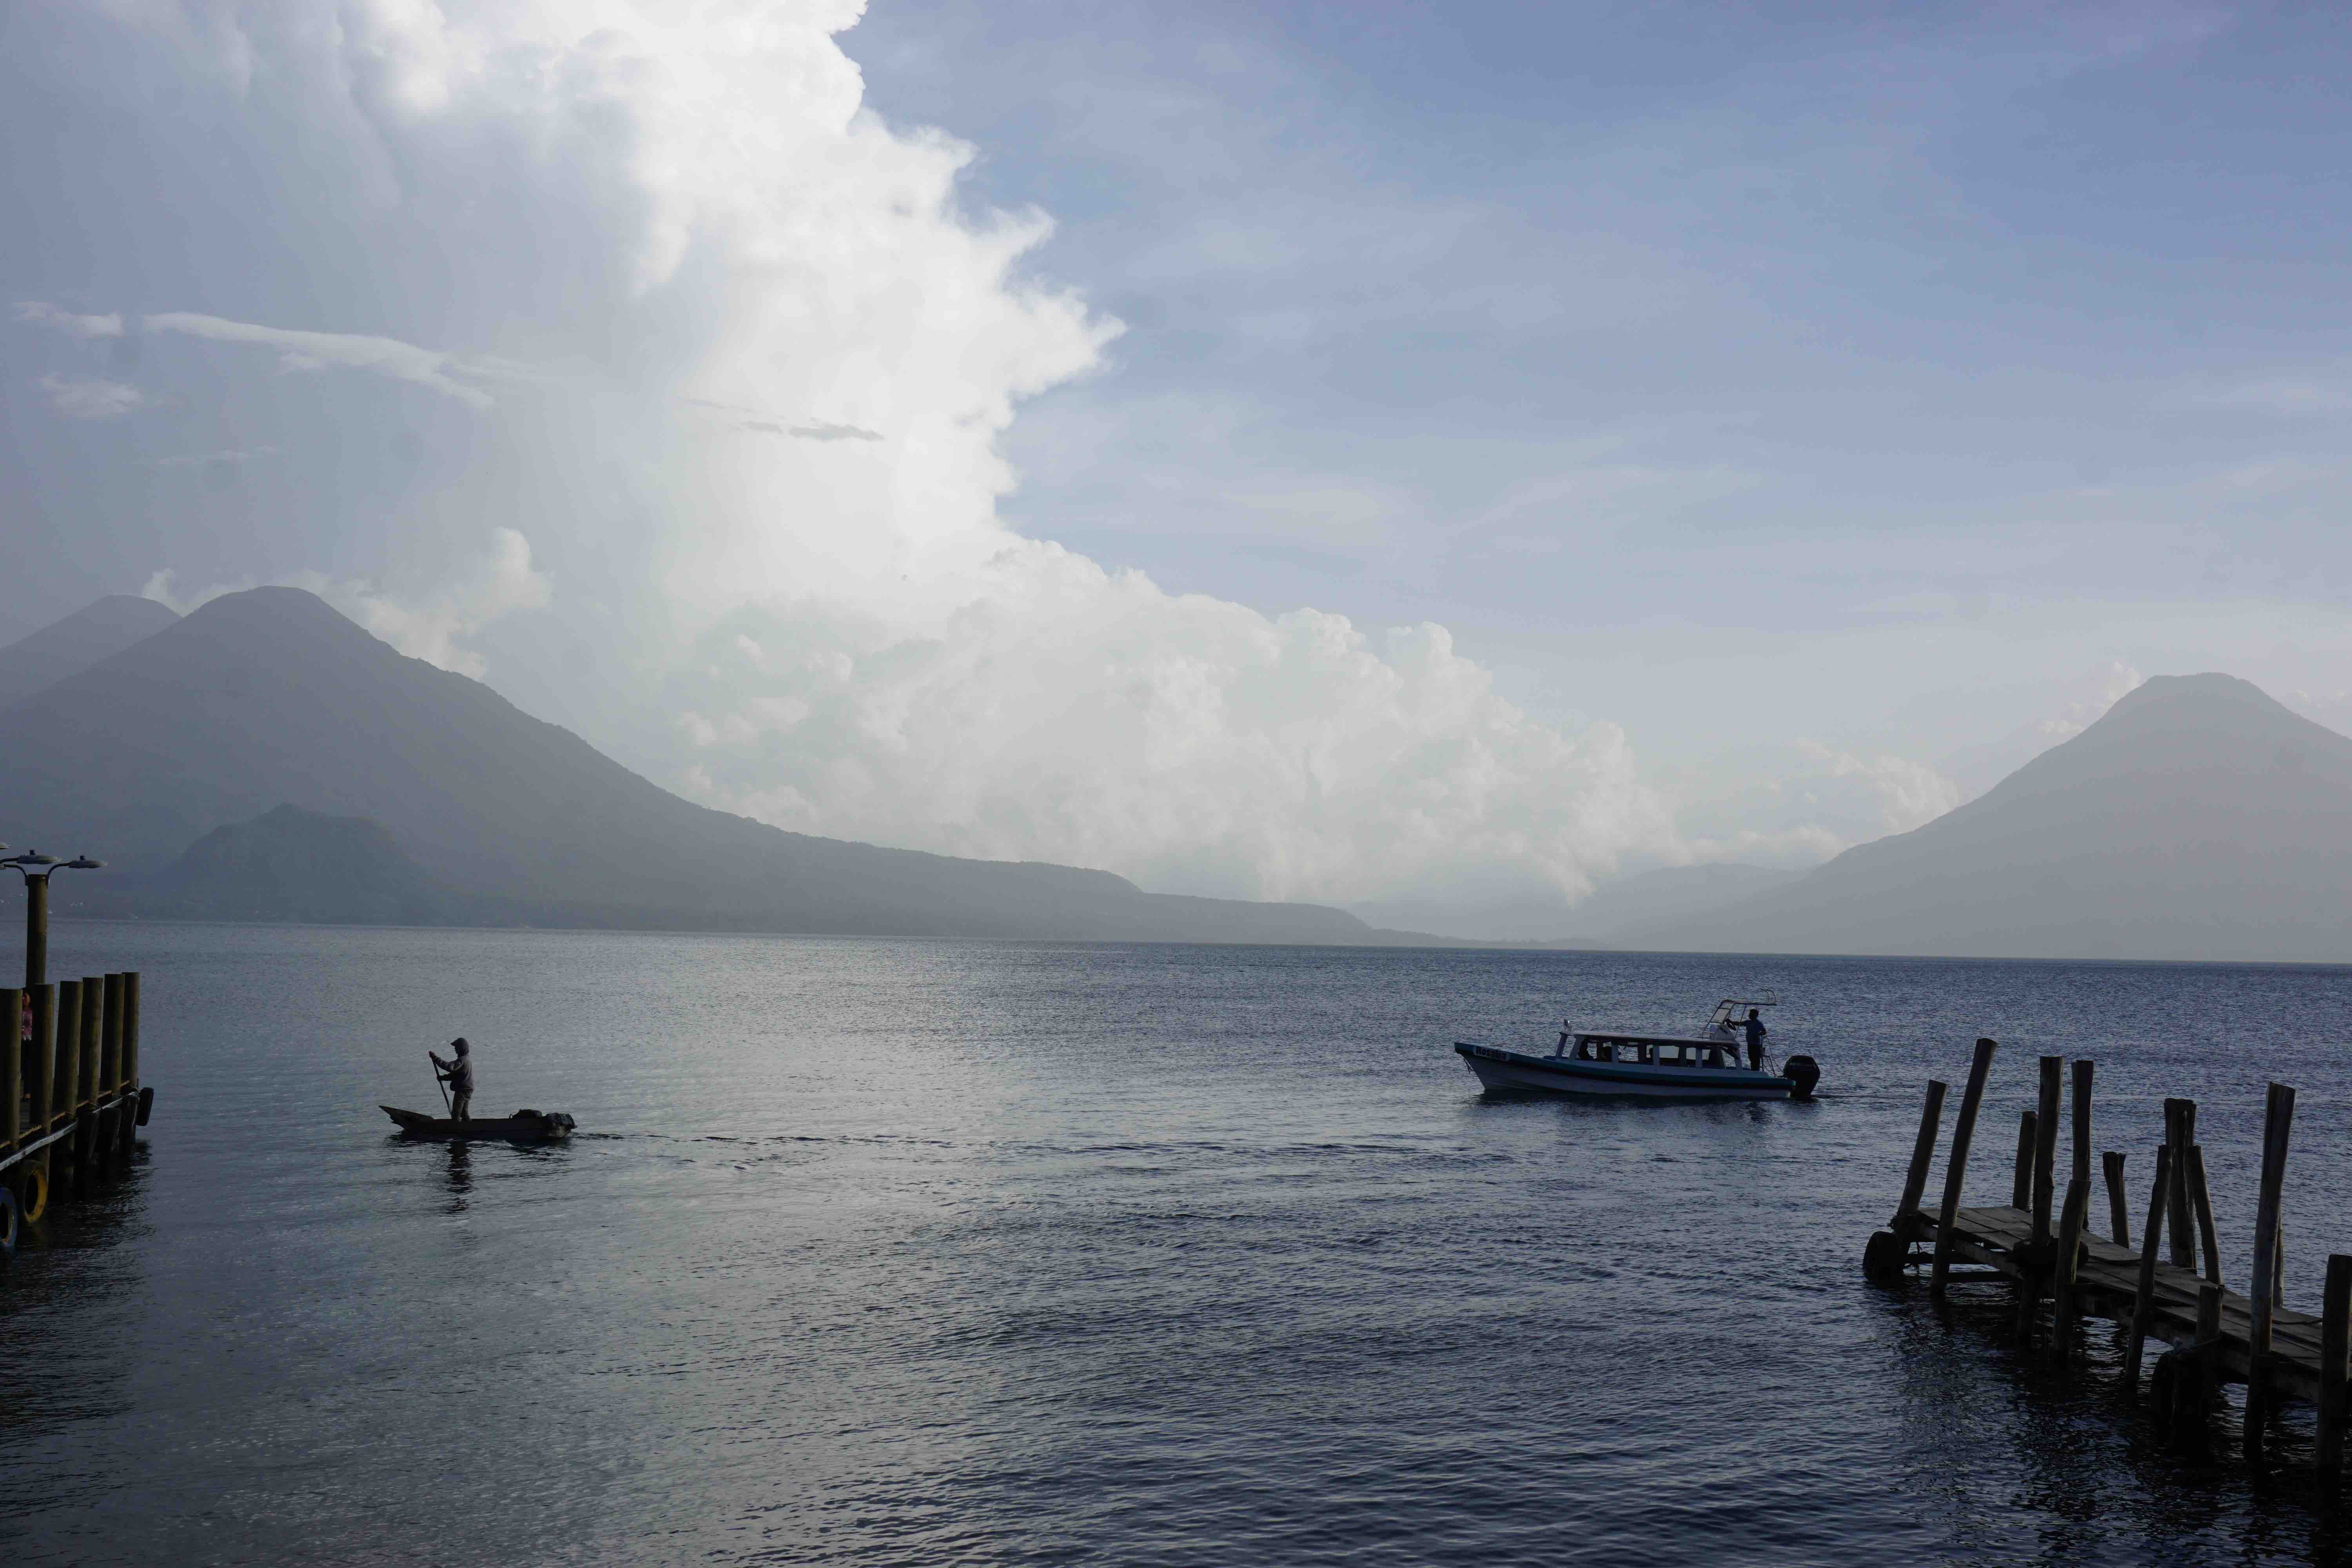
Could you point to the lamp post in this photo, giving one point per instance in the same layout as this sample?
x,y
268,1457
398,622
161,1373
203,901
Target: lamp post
x,y
37,869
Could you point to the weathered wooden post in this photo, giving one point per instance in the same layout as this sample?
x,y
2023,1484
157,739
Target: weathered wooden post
x,y
110,1067
1923,1151
2119,1213
2180,1131
1956,1167
2036,1264
12,1075
126,1125
131,1030
2278,1267
93,1030
2143,1295
2335,1341
2278,1119
110,1070
2070,1246
2046,1145
2021,1183
66,1081
2083,1124
2200,1203
40,1064
1886,1252
2193,1391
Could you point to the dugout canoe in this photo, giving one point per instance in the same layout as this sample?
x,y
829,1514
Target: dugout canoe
x,y
522,1127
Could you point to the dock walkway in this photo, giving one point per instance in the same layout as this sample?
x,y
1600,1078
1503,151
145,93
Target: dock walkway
x,y
2156,1290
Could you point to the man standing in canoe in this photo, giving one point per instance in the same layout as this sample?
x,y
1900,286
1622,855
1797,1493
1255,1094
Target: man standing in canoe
x,y
458,1074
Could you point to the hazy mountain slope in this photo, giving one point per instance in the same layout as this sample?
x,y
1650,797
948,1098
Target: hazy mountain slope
x,y
95,632
1671,893
290,865
271,697
2197,819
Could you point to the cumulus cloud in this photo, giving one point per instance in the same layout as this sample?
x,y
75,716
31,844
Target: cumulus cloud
x,y
431,626
857,641
43,314
92,397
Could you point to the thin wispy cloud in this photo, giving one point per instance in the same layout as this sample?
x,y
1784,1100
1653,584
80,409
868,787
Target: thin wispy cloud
x,y
777,425
452,375
91,397
228,457
43,314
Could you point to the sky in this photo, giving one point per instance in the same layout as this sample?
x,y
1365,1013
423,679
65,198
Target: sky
x,y
1430,459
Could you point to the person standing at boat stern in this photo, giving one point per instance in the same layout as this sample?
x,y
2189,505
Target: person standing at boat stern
x,y
1753,1026
458,1074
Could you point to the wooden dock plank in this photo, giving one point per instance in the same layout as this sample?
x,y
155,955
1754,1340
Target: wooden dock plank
x,y
2109,1275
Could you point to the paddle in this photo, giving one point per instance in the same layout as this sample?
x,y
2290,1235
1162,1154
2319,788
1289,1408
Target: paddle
x,y
440,1085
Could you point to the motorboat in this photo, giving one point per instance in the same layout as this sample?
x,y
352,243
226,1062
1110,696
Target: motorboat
x,y
522,1127
1618,1064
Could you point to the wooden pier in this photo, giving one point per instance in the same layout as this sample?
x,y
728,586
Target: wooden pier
x,y
2167,1288
70,1099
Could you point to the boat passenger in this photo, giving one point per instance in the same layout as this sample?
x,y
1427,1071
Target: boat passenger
x,y
1754,1028
459,1076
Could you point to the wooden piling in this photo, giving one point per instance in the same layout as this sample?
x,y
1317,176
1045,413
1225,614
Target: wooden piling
x,y
2144,1298
12,1074
2200,1205
2180,1131
66,1082
1923,1151
2278,1120
131,1030
109,1054
1956,1166
93,1028
2118,1213
2037,1271
2070,1248
2194,1393
2082,1108
2046,1145
2335,1340
2020,1184
40,1060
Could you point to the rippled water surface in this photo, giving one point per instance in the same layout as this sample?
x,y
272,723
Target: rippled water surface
x,y
954,1252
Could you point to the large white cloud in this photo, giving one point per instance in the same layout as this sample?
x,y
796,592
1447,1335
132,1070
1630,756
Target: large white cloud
x,y
851,639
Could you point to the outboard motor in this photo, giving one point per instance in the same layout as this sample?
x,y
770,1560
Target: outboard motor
x,y
1802,1073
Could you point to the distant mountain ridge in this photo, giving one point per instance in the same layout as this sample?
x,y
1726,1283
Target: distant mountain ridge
x,y
97,631
2198,819
270,698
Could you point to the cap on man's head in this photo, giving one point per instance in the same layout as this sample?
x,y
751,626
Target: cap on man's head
x,y
459,1046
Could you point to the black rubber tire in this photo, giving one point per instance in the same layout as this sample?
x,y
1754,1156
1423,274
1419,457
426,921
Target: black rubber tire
x,y
8,1221
146,1105
1882,1257
30,1182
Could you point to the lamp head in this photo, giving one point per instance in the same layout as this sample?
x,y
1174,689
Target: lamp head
x,y
84,863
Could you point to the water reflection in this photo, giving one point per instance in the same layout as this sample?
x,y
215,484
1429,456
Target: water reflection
x,y
461,1175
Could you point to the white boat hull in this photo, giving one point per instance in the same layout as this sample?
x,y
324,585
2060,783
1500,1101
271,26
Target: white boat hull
x,y
1498,1068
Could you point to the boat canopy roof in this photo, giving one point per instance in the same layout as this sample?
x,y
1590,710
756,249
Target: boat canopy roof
x,y
1619,1037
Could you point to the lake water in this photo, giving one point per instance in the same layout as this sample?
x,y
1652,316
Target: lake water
x,y
906,1252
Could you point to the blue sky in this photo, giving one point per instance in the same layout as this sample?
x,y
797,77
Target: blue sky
x,y
1654,322
1798,415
